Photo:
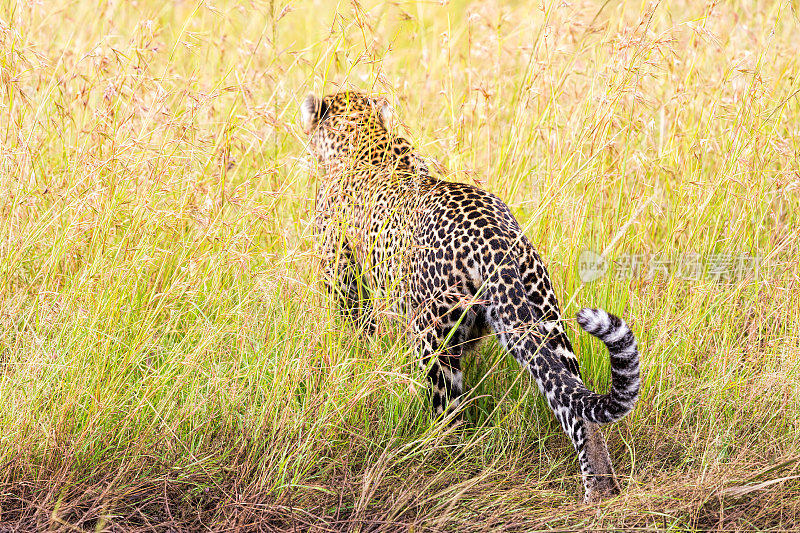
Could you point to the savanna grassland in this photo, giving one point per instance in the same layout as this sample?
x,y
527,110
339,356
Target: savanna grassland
x,y
168,358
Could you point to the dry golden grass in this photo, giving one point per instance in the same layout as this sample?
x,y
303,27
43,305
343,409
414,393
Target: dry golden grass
x,y
167,359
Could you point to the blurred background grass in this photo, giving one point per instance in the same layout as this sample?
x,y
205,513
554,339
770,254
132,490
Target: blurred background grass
x,y
167,358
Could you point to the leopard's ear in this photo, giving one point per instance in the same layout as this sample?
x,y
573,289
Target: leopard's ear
x,y
386,113
312,111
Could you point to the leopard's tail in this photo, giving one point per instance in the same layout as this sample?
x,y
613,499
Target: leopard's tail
x,y
625,382
544,351
549,361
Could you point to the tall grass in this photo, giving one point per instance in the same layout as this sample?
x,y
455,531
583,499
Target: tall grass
x,y
168,359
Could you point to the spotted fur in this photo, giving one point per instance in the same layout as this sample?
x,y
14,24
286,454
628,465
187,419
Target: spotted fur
x,y
456,264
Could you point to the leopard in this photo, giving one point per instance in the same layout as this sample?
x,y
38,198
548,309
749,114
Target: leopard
x,y
454,264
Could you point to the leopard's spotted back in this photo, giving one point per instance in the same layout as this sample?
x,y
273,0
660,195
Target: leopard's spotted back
x,y
456,261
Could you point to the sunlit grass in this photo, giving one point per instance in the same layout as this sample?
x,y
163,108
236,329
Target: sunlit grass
x,y
167,357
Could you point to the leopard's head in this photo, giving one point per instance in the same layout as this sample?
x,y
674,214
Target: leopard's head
x,y
353,125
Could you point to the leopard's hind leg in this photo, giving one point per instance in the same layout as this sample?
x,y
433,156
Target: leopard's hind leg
x,y
440,335
597,471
